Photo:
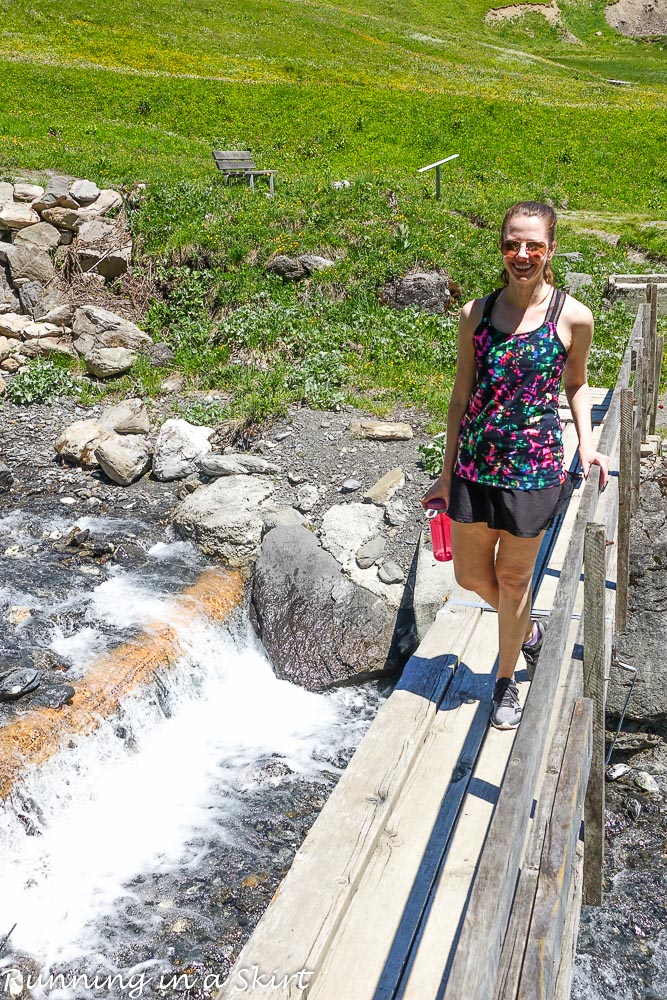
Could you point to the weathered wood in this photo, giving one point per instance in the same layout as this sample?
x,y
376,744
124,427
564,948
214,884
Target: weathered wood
x,y
543,952
296,929
594,666
651,349
563,989
659,350
637,433
475,965
624,510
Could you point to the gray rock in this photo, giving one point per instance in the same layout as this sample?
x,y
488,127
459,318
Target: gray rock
x,y
9,300
178,448
391,572
307,497
78,442
370,551
12,325
295,477
382,491
348,526
17,215
6,478
29,265
27,192
65,218
59,316
96,327
395,512
128,417
18,683
340,185
643,643
107,201
281,435
50,345
41,236
288,268
125,458
109,362
160,355
350,485
30,295
574,280
617,771
285,517
56,195
235,464
84,192
225,518
647,783
319,629
312,262
101,248
424,290
6,192
51,300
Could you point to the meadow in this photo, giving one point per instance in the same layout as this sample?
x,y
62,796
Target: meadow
x,y
323,92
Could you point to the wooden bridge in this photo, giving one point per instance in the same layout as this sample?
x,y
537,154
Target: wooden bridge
x,y
451,859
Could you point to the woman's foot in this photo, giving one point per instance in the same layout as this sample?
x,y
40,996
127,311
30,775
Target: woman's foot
x,y
506,710
531,649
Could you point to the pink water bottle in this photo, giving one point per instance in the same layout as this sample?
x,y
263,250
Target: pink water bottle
x,y
440,529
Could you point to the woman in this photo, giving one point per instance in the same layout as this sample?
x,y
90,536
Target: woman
x,y
502,478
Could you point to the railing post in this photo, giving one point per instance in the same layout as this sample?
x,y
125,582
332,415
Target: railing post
x,y
651,353
624,510
594,688
638,430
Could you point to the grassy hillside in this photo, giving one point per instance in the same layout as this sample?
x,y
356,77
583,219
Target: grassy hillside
x,y
322,91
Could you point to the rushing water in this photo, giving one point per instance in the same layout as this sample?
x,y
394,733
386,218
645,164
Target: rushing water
x,y
150,848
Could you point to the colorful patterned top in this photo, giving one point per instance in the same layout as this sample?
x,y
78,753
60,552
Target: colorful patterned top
x,y
511,433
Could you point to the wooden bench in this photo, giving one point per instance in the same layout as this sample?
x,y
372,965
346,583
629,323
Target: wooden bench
x,y
239,163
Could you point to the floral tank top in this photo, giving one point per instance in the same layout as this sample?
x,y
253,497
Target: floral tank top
x,y
511,433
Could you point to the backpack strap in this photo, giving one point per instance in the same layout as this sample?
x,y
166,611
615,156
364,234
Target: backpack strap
x,y
488,306
555,306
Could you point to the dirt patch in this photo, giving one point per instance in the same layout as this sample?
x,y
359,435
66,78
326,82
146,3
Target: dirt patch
x,y
638,18
550,11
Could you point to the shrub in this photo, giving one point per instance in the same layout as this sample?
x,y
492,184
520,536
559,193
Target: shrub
x,y
42,383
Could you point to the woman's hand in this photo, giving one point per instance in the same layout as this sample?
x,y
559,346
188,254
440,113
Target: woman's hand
x,y
440,490
588,457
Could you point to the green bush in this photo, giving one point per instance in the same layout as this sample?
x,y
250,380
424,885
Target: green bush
x,y
42,383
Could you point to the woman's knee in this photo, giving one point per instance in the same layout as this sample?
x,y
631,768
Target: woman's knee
x,y
471,578
513,582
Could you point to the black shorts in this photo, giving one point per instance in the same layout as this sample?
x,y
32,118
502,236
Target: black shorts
x,y
524,513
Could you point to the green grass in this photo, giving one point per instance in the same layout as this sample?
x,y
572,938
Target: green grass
x,y
322,91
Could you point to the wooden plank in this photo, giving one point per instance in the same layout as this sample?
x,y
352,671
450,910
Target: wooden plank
x,y
637,434
624,510
296,929
594,662
475,965
563,989
543,952
651,351
400,874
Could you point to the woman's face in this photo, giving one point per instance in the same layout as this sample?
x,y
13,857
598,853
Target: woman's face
x,y
526,249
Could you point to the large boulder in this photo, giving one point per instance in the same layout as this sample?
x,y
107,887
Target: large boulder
x,y
78,442
225,519
106,201
428,291
318,627
9,300
108,362
178,448
101,248
29,265
123,458
643,643
12,325
65,218
95,327
23,191
56,195
17,215
128,417
84,192
41,236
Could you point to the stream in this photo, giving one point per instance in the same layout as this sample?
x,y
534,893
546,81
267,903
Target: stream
x,y
139,857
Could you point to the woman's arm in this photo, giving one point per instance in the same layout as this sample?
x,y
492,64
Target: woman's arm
x,y
463,385
575,382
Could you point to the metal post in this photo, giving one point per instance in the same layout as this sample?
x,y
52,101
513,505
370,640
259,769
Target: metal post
x,y
594,685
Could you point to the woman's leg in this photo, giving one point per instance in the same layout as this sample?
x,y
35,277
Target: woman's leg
x,y
515,564
473,553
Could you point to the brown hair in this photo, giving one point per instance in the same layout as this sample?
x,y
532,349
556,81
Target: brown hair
x,y
542,211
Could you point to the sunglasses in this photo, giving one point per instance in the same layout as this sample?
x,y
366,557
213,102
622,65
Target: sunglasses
x,y
510,248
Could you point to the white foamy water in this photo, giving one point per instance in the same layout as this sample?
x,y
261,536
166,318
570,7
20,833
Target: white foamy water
x,y
148,791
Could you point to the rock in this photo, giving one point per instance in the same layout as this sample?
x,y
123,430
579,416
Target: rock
x,y
65,218
60,316
29,296
6,478
128,417
102,248
633,808
424,290
391,572
288,268
350,485
35,331
234,464
108,362
53,696
12,325
346,527
575,280
17,683
385,488
647,783
318,628
340,185
29,265
370,551
285,517
395,513
379,430
41,236
178,447
50,345
51,300
56,194
307,497
160,355
17,614
9,300
3,387
16,215
225,518
78,442
27,192
626,742
107,200
95,327
311,262
10,365
281,435
617,771
6,192
174,383
84,192
124,458
643,643
295,477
